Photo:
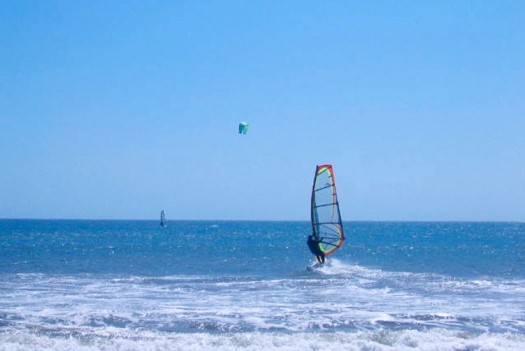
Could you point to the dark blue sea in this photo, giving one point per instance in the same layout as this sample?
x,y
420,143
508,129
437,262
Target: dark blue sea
x,y
243,285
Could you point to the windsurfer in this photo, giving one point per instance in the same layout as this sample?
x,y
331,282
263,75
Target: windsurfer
x,y
314,245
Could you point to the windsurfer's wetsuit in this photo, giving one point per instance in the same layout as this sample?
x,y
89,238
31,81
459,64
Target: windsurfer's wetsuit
x,y
315,248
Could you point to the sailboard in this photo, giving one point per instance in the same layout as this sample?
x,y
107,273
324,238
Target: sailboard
x,y
162,219
327,226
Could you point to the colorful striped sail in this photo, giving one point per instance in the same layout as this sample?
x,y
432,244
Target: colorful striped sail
x,y
326,218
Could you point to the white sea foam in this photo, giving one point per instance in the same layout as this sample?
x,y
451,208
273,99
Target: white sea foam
x,y
348,305
379,340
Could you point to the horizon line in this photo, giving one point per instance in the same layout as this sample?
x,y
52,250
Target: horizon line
x,y
259,220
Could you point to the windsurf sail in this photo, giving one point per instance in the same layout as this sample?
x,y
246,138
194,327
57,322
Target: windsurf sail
x,y
326,218
162,219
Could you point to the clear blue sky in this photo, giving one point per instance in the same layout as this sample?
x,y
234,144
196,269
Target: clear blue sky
x,y
118,109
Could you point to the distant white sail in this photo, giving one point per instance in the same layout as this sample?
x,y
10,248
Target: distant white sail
x,y
162,219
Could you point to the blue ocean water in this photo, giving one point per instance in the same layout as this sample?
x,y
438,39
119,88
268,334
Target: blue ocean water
x,y
242,285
